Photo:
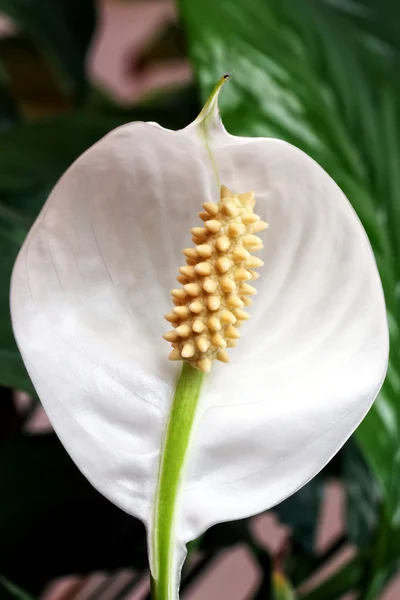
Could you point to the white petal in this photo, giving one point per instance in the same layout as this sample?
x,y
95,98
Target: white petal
x,y
91,285
89,291
314,354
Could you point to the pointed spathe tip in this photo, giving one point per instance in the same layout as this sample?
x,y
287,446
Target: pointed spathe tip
x,y
211,105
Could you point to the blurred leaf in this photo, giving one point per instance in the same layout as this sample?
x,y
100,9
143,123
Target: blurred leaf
x,y
32,83
34,155
63,28
9,591
301,512
8,112
336,585
282,587
362,497
265,589
378,20
53,523
32,158
320,74
8,107
167,45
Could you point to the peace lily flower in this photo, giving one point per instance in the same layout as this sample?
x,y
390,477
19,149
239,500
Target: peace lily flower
x,y
90,289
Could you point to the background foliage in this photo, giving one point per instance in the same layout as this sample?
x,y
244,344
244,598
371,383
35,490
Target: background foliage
x,y
321,74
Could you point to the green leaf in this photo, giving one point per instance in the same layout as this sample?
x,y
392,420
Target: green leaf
x,y
363,499
300,512
282,587
31,80
53,523
166,46
336,585
32,158
11,591
323,75
34,155
8,109
64,29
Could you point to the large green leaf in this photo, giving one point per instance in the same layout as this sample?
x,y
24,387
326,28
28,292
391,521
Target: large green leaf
x,y
63,28
321,74
32,158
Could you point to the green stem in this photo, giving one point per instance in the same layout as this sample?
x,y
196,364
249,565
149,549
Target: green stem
x,y
172,464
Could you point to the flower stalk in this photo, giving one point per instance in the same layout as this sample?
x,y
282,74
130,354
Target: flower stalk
x,y
177,438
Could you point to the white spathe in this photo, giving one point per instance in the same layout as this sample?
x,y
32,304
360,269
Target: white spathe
x,y
91,286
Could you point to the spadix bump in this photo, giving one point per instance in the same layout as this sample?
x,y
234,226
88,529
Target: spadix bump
x,y
214,275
